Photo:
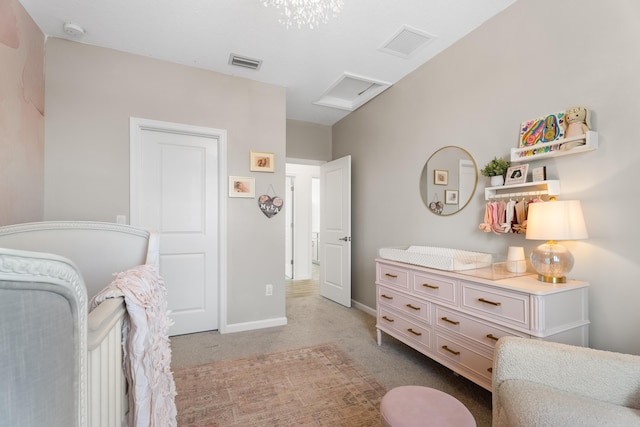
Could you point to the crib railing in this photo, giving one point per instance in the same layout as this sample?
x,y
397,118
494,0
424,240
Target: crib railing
x,y
98,250
107,386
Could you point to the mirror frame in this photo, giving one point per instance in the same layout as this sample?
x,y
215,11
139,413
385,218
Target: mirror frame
x,y
425,179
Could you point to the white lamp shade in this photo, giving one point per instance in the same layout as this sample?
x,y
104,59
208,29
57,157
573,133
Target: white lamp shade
x,y
556,220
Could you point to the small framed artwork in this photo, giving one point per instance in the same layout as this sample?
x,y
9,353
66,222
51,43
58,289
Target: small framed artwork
x,y
450,197
262,162
517,174
539,174
440,177
241,186
542,129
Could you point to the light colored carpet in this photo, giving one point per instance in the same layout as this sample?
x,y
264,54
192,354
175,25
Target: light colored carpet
x,y
314,320
311,386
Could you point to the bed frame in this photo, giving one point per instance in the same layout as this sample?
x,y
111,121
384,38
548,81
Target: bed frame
x,y
98,250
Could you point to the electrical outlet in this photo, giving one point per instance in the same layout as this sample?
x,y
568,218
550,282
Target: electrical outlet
x,y
269,290
121,219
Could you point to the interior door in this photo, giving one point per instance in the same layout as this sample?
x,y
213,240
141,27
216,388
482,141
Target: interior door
x,y
335,230
175,192
288,231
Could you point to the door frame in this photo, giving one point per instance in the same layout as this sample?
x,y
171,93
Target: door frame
x,y
290,246
136,126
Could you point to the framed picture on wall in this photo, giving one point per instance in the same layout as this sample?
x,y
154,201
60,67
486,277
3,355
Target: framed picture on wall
x,y
241,186
517,174
539,174
440,177
262,162
450,197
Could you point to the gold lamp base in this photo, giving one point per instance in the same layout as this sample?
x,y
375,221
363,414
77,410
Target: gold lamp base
x,y
552,262
551,279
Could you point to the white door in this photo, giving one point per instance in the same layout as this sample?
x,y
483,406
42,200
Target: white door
x,y
175,191
467,181
288,231
335,230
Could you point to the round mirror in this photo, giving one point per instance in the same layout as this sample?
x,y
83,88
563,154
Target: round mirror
x,y
448,180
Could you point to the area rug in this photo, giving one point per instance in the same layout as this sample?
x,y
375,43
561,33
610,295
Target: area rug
x,y
311,386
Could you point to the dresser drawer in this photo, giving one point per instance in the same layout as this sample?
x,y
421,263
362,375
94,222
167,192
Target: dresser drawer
x,y
393,276
471,328
413,331
435,287
410,306
496,304
472,360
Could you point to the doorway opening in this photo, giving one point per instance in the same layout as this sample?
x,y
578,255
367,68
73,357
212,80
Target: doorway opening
x,y
302,260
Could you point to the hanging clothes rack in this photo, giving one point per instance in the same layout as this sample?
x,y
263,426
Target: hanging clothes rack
x,y
537,188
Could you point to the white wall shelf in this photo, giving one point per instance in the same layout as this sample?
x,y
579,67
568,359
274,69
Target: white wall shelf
x,y
550,187
560,147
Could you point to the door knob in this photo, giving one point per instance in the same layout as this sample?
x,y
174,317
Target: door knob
x,y
345,238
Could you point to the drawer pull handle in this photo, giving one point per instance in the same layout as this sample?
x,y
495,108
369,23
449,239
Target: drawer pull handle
x,y
492,337
426,285
414,332
453,322
444,347
395,276
386,296
486,301
387,319
413,307
490,370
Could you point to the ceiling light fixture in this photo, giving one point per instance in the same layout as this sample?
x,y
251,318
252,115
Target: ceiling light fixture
x,y
302,13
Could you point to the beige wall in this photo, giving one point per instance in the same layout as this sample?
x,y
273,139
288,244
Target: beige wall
x,y
21,115
91,93
537,57
308,141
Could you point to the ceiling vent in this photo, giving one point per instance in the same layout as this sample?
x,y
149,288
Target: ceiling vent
x,y
407,41
243,61
350,92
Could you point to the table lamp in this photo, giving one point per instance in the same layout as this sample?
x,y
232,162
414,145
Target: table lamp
x,y
554,220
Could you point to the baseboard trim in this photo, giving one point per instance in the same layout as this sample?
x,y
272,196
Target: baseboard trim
x,y
370,311
280,321
250,326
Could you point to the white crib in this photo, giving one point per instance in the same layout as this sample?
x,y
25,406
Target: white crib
x,y
98,250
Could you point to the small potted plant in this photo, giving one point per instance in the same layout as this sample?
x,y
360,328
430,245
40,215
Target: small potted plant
x,y
496,169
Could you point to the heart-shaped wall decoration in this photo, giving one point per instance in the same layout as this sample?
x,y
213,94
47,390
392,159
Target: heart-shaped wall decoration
x,y
270,205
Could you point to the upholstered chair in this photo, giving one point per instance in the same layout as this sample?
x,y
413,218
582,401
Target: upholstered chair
x,y
540,383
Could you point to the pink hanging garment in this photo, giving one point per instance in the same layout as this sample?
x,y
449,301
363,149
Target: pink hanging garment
x,y
498,217
486,224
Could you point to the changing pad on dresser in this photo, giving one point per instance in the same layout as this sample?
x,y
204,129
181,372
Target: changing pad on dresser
x,y
439,258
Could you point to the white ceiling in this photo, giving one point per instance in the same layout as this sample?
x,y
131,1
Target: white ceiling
x,y
203,33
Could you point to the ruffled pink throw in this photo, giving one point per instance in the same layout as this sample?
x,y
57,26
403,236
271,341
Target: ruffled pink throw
x,y
145,342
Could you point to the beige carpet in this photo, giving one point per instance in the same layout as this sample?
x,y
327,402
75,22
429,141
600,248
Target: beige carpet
x,y
312,386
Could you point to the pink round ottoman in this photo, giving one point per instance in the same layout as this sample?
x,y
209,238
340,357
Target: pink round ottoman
x,y
415,406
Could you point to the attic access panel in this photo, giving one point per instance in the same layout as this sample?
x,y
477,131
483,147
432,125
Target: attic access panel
x,y
350,92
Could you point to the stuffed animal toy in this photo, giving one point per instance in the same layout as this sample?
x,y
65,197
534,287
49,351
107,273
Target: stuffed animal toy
x,y
576,122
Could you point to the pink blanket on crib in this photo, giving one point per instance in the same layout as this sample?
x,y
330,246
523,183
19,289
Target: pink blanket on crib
x,y
147,354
